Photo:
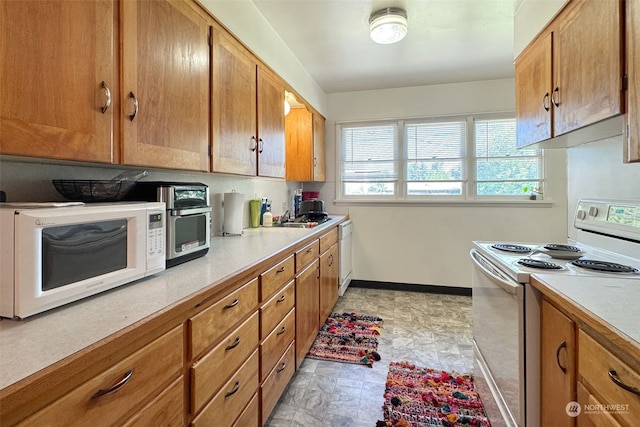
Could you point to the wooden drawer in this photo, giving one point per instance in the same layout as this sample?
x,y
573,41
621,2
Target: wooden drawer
x,y
215,322
229,403
328,239
250,417
307,255
274,278
277,381
274,310
165,410
148,370
588,417
209,373
276,343
595,364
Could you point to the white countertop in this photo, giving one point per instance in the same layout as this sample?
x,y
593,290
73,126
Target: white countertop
x,y
614,301
32,344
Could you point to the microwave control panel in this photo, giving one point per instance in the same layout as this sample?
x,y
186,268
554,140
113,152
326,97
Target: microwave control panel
x,y
155,240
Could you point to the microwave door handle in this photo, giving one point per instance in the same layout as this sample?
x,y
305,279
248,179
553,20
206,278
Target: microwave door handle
x,y
493,273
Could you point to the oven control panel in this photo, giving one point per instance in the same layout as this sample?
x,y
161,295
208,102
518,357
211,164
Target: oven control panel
x,y
611,217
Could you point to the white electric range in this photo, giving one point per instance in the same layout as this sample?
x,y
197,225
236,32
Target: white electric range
x,y
506,309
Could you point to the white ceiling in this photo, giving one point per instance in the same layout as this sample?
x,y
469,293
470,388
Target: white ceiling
x,y
448,41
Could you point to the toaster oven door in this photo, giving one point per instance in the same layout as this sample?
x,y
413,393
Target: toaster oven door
x,y
188,233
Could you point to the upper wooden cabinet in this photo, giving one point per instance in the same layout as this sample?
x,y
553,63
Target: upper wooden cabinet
x,y
56,79
632,143
247,110
319,148
165,96
305,142
587,70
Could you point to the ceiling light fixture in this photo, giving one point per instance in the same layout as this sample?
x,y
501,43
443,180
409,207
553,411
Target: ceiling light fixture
x,y
388,25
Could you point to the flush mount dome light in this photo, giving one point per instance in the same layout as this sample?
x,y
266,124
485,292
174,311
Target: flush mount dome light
x,y
388,25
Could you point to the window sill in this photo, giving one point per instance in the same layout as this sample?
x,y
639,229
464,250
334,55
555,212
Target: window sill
x,y
440,202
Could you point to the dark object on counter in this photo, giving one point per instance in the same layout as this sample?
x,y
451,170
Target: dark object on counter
x,y
3,196
88,190
312,206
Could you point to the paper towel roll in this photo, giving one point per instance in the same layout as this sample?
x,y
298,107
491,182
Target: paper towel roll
x,y
233,213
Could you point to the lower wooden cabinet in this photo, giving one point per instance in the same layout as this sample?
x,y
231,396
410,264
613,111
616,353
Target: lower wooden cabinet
x,y
165,410
115,394
250,417
277,381
227,405
307,309
557,369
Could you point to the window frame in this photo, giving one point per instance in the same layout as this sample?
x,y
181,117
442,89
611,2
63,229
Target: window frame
x,y
469,164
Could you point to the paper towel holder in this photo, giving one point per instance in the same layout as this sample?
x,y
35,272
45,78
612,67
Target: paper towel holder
x,y
233,205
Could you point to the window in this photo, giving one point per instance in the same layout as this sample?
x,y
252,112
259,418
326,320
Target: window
x,y
462,158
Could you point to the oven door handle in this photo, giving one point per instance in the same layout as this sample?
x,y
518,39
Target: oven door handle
x,y
189,211
493,273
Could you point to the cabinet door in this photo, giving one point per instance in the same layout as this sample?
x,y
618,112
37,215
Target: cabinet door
x,y
54,56
589,65
533,93
271,144
632,145
319,148
557,368
299,144
234,143
165,97
307,310
329,276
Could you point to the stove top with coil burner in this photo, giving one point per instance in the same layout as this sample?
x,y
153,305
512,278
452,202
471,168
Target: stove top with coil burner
x,y
605,266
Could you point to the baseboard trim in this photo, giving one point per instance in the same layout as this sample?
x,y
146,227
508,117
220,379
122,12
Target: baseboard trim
x,y
430,289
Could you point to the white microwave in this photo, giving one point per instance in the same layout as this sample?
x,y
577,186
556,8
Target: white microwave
x,y
51,256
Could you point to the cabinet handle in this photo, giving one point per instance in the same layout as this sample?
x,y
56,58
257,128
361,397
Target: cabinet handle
x,y
281,269
330,260
116,386
315,161
254,143
281,331
107,93
545,102
233,304
614,377
282,298
555,97
281,368
562,345
309,250
260,145
234,345
135,106
236,387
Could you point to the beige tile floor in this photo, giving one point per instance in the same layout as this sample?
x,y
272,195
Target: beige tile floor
x,y
429,330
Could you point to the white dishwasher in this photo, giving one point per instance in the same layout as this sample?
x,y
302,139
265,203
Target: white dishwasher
x,y
344,238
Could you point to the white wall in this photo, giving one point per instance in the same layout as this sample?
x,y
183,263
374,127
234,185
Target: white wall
x,y
429,244
596,170
531,16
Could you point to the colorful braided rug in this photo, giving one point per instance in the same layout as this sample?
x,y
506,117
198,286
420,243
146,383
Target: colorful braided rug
x,y
420,397
348,338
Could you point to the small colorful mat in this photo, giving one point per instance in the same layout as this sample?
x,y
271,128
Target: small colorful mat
x,y
421,397
348,338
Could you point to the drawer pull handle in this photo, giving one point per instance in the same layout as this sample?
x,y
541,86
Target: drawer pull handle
x,y
281,331
233,304
330,260
282,298
281,269
562,345
281,368
116,386
309,250
236,387
614,377
234,345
